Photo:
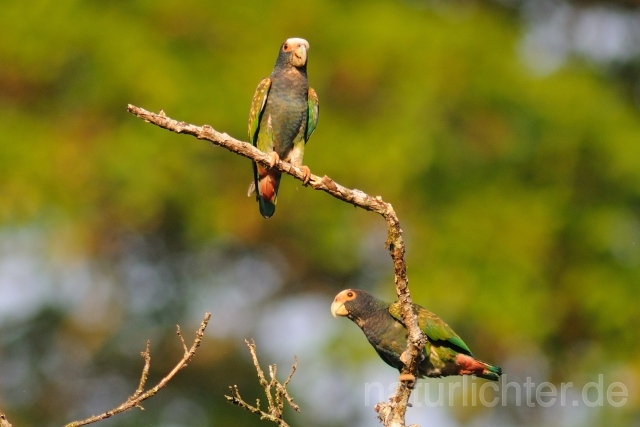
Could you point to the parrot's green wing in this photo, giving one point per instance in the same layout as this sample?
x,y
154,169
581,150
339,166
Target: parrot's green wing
x,y
257,107
312,116
434,327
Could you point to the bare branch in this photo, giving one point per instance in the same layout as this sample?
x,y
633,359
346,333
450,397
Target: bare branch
x,y
392,413
274,390
3,420
184,344
283,388
140,395
146,355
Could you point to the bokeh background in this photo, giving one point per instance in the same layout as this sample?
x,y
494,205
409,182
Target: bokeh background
x,y
505,133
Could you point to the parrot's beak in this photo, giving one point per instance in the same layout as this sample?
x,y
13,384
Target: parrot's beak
x,y
300,55
338,309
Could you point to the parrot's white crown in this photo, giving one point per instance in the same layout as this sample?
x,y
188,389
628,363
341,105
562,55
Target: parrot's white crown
x,y
297,40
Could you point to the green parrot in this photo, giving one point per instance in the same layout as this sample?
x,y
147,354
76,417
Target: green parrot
x,y
284,114
444,354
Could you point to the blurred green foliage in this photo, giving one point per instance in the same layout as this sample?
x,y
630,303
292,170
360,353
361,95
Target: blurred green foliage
x,y
519,195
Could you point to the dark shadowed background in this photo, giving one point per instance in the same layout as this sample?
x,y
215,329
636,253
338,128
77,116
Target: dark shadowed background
x,y
506,134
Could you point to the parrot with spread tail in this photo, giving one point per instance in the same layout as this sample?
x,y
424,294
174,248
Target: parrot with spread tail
x,y
444,353
284,114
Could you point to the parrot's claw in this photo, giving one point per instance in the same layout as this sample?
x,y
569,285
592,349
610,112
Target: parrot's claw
x,y
273,159
307,174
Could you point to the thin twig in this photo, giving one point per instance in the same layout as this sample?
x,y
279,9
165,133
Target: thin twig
x,y
184,344
261,377
392,413
146,355
283,388
140,395
276,403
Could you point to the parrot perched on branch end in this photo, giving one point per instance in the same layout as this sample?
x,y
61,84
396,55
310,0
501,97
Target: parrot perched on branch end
x,y
444,354
284,114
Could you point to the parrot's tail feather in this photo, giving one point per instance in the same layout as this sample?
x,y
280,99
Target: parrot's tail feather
x,y
251,189
267,209
491,372
254,185
470,366
268,192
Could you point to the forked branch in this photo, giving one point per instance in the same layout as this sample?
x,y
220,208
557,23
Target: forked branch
x,y
275,391
393,412
140,394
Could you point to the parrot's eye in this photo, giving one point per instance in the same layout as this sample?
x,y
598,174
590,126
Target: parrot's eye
x,y
350,294
285,47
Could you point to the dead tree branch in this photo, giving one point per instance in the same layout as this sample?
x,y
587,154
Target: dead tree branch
x,y
275,391
393,412
140,394
3,421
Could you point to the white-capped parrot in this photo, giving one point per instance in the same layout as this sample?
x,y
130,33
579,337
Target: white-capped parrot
x,y
284,114
444,354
